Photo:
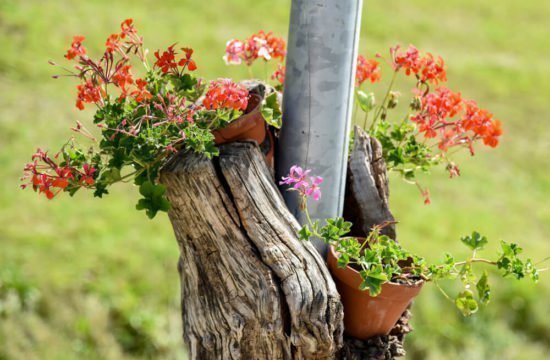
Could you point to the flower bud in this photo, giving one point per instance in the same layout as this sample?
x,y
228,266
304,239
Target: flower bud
x,y
416,103
393,99
384,114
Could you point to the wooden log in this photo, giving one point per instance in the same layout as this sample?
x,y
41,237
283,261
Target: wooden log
x,y
250,289
367,191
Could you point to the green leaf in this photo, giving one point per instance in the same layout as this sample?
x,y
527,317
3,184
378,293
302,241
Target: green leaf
x,y
373,280
153,199
483,289
474,241
343,260
271,111
466,303
146,189
304,233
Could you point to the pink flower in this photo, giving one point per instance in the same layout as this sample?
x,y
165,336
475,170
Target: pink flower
x,y
314,190
296,176
303,183
233,52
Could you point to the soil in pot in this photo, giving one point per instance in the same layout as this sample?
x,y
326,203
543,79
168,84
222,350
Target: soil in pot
x,y
366,316
250,126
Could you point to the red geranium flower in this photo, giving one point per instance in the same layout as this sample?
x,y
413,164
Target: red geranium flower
x,y
225,94
76,49
128,29
410,60
88,177
187,61
141,94
279,74
89,93
113,43
367,70
123,77
166,61
433,70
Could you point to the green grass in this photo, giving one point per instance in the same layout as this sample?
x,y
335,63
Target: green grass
x,y
94,279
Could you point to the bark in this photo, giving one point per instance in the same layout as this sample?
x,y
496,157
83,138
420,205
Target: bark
x,y
367,190
250,289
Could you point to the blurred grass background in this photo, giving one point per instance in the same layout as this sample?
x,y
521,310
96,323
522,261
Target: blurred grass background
x,y
88,279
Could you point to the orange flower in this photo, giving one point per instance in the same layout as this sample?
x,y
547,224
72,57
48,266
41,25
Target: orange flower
x,y
410,60
113,43
127,27
367,70
433,70
89,93
494,132
187,61
76,49
141,94
122,76
225,94
166,61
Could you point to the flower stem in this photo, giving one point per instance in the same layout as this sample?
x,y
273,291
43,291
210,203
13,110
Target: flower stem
x,y
474,260
382,105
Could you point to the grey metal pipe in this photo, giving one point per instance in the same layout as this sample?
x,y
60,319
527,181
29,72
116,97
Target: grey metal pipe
x,y
318,96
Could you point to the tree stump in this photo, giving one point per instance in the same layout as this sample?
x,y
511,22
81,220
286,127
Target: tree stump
x,y
250,289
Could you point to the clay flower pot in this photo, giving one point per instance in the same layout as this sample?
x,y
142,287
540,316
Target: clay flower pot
x,y
250,126
366,316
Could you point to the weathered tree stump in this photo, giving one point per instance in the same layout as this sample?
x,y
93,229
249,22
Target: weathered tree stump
x,y
250,289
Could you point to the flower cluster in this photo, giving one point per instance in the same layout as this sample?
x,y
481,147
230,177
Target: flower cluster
x,y
367,69
49,176
76,49
261,45
143,119
438,118
167,61
112,68
89,93
301,181
427,68
224,93
453,121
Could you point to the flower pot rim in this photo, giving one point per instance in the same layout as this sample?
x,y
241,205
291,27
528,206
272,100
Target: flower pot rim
x,y
355,273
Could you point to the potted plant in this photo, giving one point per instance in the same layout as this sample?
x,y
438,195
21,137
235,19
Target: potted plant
x,y
377,278
144,120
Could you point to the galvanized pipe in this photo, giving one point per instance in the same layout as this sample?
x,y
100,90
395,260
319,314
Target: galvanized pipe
x,y
318,97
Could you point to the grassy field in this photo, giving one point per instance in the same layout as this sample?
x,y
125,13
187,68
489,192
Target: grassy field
x,y
88,279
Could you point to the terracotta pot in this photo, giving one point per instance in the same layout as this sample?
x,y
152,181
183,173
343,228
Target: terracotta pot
x,y
250,126
366,316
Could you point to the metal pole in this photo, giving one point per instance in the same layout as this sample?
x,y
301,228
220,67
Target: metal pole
x,y
318,96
